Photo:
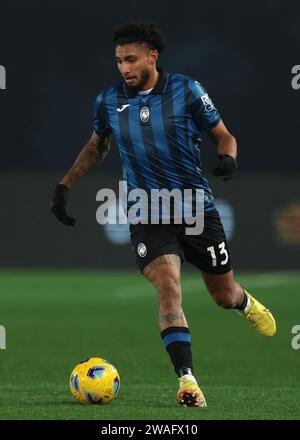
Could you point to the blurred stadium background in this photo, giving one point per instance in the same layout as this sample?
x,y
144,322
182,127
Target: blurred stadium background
x,y
58,57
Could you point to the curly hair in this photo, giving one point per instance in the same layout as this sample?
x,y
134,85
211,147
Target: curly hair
x,y
140,32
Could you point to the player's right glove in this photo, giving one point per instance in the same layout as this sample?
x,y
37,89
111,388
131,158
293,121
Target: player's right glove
x,y
226,166
58,205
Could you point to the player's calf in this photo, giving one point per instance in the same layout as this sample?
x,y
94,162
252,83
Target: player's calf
x,y
225,291
229,298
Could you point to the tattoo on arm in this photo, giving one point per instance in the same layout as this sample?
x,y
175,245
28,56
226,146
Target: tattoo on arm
x,y
90,156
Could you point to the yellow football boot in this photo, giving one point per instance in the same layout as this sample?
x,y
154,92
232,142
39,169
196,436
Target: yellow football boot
x,y
259,316
189,393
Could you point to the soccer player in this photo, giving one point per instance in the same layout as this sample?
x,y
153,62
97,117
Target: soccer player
x,y
158,120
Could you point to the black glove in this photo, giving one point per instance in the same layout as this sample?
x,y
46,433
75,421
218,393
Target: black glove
x,y
58,205
226,166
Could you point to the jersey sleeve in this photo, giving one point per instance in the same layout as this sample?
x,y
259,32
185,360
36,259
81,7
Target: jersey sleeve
x,y
100,122
201,107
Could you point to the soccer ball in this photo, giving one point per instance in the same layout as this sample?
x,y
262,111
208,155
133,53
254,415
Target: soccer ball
x,y
94,380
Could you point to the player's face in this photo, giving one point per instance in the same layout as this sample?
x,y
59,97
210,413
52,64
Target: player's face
x,y
136,63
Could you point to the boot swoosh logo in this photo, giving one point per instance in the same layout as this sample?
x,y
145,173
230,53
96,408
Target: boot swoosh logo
x,y
123,107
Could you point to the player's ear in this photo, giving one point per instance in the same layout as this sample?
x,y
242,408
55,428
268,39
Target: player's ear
x,y
154,55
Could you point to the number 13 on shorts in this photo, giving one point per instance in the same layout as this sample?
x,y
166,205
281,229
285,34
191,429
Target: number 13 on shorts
x,y
221,251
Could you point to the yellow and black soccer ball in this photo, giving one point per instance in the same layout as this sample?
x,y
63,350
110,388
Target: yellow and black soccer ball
x,y
94,381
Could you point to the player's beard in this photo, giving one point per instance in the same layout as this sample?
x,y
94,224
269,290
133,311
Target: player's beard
x,y
145,75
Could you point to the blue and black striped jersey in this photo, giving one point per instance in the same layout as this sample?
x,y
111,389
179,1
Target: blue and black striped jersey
x,y
159,134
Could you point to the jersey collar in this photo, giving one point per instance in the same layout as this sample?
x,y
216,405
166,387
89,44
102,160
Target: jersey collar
x,y
160,86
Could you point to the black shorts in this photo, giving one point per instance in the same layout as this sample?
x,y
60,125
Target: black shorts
x,y
207,251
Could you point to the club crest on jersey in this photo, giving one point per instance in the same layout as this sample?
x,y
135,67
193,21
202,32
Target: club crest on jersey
x,y
142,250
145,114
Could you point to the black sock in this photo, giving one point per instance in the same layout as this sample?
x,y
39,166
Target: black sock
x,y
244,303
177,341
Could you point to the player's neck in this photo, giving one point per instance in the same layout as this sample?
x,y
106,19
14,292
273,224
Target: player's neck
x,y
150,84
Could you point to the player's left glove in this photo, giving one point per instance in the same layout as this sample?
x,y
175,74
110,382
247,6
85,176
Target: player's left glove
x,y
226,166
58,205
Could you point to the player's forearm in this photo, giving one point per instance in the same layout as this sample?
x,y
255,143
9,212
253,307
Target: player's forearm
x,y
227,145
87,160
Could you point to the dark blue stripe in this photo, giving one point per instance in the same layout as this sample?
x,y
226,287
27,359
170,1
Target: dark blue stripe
x,y
193,138
138,144
152,147
111,97
103,116
183,150
133,170
177,337
160,139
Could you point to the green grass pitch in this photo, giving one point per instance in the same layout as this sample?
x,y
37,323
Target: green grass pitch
x,y
55,319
